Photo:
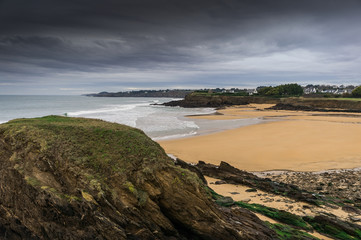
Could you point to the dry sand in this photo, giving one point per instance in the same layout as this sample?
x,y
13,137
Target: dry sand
x,y
299,141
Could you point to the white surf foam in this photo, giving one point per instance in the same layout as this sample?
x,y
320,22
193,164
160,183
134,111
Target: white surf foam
x,y
110,109
175,136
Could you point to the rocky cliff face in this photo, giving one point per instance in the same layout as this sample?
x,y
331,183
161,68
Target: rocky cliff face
x,y
72,178
209,100
317,104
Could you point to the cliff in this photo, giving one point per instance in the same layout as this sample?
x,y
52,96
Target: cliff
x,y
213,100
74,178
319,104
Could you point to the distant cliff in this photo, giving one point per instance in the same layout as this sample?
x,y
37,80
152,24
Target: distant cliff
x,y
213,100
144,93
319,104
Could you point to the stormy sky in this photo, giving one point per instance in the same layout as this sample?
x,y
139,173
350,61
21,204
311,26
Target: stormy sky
x,y
83,46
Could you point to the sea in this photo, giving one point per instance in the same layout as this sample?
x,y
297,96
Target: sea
x,y
157,121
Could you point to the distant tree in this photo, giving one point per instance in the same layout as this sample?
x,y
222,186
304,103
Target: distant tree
x,y
275,91
263,90
292,89
357,92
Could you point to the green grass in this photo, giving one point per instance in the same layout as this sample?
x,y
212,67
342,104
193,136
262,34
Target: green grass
x,y
331,98
346,99
105,147
231,94
101,150
278,215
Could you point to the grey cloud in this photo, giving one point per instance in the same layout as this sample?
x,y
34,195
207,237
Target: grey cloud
x,y
195,39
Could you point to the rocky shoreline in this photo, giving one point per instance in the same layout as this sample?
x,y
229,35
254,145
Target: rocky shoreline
x,y
193,100
306,107
303,195
343,185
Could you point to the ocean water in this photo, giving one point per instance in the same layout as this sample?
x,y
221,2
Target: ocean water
x,y
158,122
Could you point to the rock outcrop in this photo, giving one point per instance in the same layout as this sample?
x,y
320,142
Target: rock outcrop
x,y
291,103
210,100
318,104
74,178
232,175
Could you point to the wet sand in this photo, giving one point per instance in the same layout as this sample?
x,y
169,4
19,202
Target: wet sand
x,y
296,140
239,193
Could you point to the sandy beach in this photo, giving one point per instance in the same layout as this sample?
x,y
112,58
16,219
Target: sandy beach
x,y
295,140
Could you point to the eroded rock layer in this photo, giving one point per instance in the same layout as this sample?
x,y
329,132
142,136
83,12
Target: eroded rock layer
x,y
73,178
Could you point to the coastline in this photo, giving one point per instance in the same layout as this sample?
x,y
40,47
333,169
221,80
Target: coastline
x,y
293,141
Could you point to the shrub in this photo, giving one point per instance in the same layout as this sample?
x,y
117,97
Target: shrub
x,y
357,92
292,89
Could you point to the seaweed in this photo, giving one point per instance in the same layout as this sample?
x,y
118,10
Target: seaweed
x,y
279,215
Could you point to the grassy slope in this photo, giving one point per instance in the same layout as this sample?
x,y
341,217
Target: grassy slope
x,y
92,143
96,150
345,99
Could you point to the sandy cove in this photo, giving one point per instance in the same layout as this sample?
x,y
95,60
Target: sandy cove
x,y
299,141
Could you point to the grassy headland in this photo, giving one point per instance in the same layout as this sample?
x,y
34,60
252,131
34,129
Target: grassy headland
x,y
67,178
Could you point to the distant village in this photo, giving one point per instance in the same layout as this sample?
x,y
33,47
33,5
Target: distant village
x,y
309,89
331,89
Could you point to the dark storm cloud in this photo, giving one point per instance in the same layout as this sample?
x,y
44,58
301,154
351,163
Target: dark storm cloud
x,y
177,43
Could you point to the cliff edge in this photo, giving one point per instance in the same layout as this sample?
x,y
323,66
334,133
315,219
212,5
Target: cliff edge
x,y
195,99
74,178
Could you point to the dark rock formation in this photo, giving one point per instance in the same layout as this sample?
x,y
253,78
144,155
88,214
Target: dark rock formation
x,y
343,186
282,106
204,100
191,168
233,175
320,105
73,178
292,103
335,227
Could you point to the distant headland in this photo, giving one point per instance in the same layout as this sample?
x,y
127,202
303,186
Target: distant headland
x,y
284,90
291,96
176,93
